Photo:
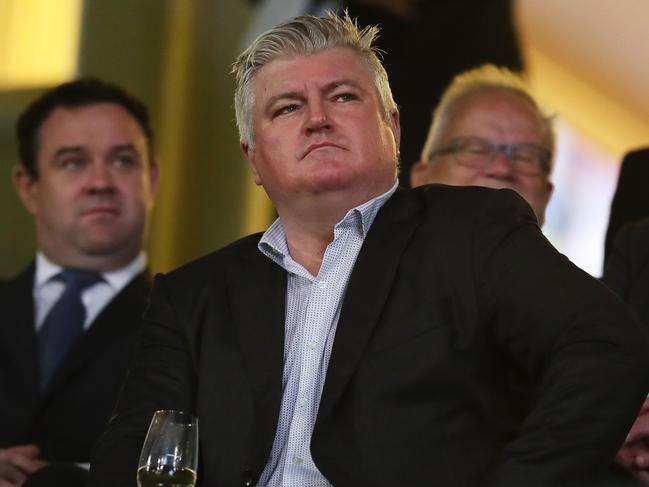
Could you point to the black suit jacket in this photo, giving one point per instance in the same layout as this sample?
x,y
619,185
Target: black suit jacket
x,y
627,267
630,202
468,352
68,418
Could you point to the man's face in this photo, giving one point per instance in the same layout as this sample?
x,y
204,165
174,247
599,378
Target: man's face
x,y
95,185
500,117
319,129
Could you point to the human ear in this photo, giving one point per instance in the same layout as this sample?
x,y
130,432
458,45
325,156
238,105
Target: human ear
x,y
249,154
26,187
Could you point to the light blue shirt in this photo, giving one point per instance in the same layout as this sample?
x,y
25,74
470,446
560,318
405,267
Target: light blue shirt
x,y
312,310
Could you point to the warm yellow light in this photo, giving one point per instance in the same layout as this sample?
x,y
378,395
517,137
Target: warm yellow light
x,y
39,41
612,125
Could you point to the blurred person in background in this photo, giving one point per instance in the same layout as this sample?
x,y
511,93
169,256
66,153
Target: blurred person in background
x,y
627,273
71,319
489,131
630,202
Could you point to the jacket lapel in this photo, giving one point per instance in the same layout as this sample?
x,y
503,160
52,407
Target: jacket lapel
x,y
367,291
119,318
259,313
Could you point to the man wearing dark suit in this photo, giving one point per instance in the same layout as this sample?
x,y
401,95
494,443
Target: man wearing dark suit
x,y
87,176
373,336
627,273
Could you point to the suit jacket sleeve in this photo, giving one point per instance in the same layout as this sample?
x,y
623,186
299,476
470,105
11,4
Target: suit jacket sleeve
x,y
570,335
161,377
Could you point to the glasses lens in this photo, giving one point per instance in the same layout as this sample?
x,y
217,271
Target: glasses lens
x,y
527,159
473,152
479,153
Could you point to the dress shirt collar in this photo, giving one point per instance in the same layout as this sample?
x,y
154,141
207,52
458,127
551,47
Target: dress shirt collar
x,y
116,279
273,243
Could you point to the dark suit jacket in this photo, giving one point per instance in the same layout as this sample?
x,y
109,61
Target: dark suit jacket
x,y
627,271
630,202
627,267
457,313
69,417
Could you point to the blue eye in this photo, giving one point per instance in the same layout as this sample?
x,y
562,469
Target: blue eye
x,y
125,161
72,163
344,97
286,109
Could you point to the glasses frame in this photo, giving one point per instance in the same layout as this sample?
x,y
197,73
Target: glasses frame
x,y
456,144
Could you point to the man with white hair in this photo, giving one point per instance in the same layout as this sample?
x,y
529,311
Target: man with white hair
x,y
488,130
374,336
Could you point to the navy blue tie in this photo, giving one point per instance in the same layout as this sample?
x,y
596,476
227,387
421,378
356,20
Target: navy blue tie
x,y
64,323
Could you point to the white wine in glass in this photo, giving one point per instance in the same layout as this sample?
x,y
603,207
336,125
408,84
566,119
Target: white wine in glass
x,y
169,456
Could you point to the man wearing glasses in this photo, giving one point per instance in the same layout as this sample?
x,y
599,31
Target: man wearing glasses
x,y
488,131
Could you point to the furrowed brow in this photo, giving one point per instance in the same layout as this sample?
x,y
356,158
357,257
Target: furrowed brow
x,y
289,95
329,87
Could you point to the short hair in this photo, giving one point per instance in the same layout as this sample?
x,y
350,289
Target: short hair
x,y
79,93
306,35
483,79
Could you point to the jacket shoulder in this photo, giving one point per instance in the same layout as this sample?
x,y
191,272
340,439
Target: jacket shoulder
x,y
21,282
203,268
470,201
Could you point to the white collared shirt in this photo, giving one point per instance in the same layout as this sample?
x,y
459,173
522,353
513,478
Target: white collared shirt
x,y
46,291
313,305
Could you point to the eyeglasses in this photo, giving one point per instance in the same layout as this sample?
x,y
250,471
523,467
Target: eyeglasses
x,y
475,152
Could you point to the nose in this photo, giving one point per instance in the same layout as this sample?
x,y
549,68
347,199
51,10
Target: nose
x,y
500,167
100,179
317,117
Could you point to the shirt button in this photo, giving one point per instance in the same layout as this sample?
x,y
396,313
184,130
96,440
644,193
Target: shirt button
x,y
297,461
322,284
304,402
312,345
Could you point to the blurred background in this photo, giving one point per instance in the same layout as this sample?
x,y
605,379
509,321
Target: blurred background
x,y
586,60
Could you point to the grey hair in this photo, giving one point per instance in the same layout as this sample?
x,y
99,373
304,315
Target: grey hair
x,y
484,78
305,35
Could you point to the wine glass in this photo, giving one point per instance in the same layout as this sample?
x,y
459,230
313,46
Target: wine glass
x,y
169,456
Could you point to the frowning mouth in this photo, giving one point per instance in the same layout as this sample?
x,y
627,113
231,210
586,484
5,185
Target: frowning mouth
x,y
320,145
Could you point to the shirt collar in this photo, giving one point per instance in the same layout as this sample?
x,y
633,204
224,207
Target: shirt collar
x,y
369,209
45,270
116,279
274,245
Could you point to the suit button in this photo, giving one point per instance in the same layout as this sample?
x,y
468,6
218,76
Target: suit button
x,y
248,480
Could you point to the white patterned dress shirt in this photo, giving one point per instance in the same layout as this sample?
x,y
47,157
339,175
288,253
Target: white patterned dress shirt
x,y
313,306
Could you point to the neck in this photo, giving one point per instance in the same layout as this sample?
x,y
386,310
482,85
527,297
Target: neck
x,y
308,245
309,226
